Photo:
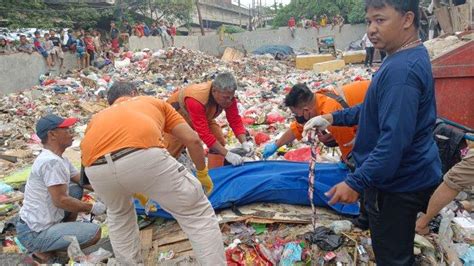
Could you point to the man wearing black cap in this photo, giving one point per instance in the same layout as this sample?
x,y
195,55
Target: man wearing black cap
x,y
51,201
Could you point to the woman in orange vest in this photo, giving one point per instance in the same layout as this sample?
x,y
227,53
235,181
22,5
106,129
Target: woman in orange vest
x,y
305,105
200,104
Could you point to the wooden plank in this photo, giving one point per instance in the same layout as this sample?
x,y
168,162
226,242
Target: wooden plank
x,y
332,65
177,248
170,233
275,213
231,54
146,241
307,61
444,19
460,17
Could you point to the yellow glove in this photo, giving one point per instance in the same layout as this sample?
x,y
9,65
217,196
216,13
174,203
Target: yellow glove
x,y
141,198
205,179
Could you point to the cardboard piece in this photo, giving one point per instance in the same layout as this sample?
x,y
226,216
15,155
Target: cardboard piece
x,y
307,61
329,66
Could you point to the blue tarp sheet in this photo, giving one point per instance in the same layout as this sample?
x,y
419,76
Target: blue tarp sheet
x,y
271,182
274,49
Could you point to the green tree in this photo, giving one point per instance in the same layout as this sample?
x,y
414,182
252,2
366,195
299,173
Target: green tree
x,y
357,13
171,10
36,14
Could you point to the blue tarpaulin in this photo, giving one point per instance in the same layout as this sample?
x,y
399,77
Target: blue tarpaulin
x,y
271,182
274,49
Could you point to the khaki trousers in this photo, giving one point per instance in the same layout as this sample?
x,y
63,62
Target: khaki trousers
x,y
153,172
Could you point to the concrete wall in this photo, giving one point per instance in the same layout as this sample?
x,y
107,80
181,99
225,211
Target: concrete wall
x,y
211,44
304,38
190,42
21,71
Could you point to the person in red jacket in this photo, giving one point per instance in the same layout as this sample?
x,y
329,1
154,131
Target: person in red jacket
x,y
200,104
291,26
172,30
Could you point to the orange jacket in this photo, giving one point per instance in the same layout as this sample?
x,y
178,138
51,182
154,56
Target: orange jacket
x,y
354,94
199,92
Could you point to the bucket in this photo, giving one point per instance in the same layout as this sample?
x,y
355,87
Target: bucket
x,y
214,160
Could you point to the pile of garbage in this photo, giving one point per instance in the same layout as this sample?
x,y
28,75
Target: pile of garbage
x,y
263,84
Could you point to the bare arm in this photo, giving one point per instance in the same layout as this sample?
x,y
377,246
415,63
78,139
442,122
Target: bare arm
x,y
217,147
184,133
63,201
286,138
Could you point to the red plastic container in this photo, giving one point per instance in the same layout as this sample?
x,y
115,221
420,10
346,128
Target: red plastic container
x,y
454,84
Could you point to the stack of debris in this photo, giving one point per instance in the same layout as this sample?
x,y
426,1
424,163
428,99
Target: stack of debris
x,y
261,234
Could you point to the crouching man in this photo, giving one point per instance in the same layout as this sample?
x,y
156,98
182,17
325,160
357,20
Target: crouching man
x,y
52,201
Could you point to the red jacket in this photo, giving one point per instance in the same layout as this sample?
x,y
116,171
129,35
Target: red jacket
x,y
291,22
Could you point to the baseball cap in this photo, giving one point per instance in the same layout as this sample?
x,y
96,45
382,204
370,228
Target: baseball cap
x,y
50,122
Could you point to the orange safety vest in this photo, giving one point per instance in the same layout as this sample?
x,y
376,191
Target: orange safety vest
x,y
353,94
201,93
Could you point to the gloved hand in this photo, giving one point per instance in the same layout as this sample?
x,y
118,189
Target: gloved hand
x,y
141,198
234,158
318,122
248,146
98,208
205,179
269,150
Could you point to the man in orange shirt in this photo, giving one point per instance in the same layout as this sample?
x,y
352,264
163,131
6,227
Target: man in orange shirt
x,y
200,104
305,105
124,154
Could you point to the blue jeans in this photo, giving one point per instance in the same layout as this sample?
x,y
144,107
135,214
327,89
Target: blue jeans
x,y
52,238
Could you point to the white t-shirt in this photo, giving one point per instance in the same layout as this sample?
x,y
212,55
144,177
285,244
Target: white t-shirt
x,y
366,41
38,210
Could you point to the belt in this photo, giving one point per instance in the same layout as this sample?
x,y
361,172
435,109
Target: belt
x,y
115,155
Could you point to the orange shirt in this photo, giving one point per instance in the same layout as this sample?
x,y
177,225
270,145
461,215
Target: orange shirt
x,y
137,122
354,94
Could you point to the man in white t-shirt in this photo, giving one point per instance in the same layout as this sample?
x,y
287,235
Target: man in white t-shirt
x,y
369,50
51,200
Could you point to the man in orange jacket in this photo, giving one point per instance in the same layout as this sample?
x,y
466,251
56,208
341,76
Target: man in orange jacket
x,y
199,105
305,105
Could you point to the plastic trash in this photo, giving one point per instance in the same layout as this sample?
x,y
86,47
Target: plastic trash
x,y
75,253
324,238
5,188
468,257
261,138
291,254
341,226
299,155
275,117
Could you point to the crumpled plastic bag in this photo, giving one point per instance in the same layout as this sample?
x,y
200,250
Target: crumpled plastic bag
x,y
324,238
75,253
261,138
291,254
275,117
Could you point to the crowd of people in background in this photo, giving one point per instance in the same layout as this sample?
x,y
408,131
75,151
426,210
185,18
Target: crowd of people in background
x,y
317,22
91,47
165,30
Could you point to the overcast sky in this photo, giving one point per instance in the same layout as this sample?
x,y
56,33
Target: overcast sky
x,y
264,2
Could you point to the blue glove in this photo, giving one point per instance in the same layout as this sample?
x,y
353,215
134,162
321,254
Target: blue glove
x,y
269,149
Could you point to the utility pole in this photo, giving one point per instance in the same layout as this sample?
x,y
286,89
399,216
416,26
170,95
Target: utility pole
x,y
240,15
199,17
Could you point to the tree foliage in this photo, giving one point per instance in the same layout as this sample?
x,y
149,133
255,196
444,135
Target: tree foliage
x,y
352,10
171,10
36,14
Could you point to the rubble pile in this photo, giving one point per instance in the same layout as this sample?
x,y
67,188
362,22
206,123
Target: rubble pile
x,y
266,234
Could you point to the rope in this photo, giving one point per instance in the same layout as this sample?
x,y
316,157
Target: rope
x,y
313,141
